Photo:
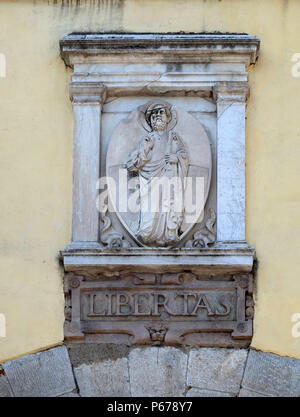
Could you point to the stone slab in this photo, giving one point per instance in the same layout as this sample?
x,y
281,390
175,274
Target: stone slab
x,y
195,392
5,390
216,369
43,374
108,378
271,374
157,372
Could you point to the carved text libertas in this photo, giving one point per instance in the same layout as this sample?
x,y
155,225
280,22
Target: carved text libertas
x,y
155,303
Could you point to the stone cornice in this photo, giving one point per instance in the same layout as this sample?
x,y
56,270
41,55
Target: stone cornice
x,y
224,258
96,47
231,91
87,92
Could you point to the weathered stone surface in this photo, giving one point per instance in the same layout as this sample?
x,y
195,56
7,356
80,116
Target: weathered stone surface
x,y
248,393
93,353
151,371
183,47
70,394
157,372
168,308
216,369
43,374
109,378
195,392
271,374
5,390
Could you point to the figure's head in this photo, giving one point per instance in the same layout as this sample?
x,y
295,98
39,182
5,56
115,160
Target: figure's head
x,y
158,116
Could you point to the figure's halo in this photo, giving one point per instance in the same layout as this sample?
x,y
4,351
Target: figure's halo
x,y
143,110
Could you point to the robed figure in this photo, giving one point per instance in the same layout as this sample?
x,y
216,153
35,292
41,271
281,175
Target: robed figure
x,y
161,161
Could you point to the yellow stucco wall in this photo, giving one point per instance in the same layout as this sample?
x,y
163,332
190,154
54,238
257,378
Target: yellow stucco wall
x,y
36,153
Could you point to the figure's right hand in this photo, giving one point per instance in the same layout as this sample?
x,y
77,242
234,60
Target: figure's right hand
x,y
148,144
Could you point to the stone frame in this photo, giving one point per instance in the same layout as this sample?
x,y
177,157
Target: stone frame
x,y
120,65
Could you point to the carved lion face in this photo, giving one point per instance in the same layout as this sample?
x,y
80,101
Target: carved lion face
x,y
157,334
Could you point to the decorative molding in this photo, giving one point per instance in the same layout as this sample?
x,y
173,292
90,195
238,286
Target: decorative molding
x,y
222,258
101,47
87,93
164,64
111,238
230,92
206,235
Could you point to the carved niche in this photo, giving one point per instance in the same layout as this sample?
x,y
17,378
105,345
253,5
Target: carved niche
x,y
162,151
159,256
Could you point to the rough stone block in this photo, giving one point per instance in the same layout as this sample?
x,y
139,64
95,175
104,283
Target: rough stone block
x,y
5,390
43,374
109,378
195,392
271,374
216,369
157,372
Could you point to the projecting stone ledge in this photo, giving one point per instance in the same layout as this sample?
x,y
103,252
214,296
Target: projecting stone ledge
x,y
223,258
78,48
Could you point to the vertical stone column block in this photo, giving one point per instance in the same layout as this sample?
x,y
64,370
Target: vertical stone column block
x,y
231,105
87,99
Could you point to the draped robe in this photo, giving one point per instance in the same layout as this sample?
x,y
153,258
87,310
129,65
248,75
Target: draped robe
x,y
162,186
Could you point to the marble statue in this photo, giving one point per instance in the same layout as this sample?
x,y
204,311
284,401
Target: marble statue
x,y
165,150
160,154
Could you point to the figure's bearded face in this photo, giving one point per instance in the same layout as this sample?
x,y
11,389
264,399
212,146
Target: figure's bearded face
x,y
159,119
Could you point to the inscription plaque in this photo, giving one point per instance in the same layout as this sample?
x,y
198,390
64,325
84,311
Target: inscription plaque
x,y
174,308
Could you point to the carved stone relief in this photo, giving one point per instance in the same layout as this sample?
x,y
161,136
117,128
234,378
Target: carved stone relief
x,y
164,154
206,236
162,118
159,308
